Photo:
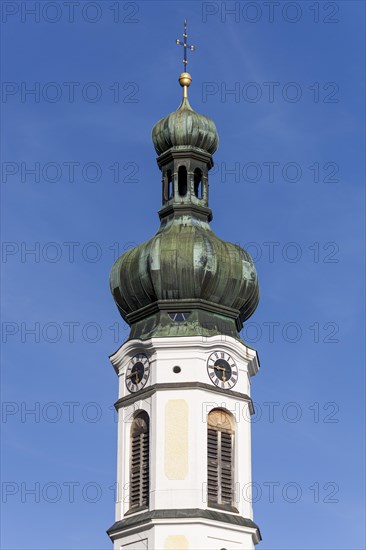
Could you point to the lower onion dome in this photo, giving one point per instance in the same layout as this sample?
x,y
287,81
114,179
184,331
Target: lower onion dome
x,y
185,260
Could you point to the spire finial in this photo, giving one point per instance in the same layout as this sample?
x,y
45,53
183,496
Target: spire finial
x,y
185,46
185,78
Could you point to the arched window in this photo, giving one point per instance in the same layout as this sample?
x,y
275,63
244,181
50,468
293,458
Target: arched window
x,y
168,186
198,183
220,457
182,181
139,461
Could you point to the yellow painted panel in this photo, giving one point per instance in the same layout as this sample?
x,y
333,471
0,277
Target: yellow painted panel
x,y
176,542
176,439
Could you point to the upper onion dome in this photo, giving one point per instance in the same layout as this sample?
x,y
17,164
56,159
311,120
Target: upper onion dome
x,y
185,127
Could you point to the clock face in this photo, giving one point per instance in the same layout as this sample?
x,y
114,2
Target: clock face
x,y
137,373
222,370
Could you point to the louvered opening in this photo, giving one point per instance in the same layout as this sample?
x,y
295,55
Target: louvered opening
x,y
219,465
212,465
139,463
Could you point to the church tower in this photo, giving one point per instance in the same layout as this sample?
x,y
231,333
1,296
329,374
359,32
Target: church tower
x,y
184,406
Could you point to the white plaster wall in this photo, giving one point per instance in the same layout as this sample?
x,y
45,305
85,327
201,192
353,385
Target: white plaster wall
x,y
191,354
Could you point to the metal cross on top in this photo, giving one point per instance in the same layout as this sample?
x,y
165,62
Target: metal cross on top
x,y
185,45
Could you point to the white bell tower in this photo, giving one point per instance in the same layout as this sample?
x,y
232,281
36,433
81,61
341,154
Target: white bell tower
x,y
198,451
184,402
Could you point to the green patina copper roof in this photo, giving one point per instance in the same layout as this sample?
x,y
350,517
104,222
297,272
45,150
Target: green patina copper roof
x,y
185,267
185,127
185,260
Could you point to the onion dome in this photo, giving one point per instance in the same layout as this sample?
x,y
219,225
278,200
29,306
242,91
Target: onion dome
x,y
185,280
185,127
185,261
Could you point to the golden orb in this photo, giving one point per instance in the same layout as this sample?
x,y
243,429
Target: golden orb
x,y
185,79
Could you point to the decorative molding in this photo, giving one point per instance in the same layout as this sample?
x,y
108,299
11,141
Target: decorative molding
x,y
182,152
142,508
145,518
148,392
203,212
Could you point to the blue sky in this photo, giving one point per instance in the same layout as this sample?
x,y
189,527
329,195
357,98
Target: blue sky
x,y
293,134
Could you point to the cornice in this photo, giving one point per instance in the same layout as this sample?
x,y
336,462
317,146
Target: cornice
x,y
150,390
143,520
184,152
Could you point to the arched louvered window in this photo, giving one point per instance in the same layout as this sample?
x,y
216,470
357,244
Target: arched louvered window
x,y
139,462
220,458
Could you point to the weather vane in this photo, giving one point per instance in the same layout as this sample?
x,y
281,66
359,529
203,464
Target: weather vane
x,y
185,45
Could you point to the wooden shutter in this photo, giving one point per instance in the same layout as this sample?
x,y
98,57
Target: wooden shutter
x,y
139,463
220,440
226,467
212,465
